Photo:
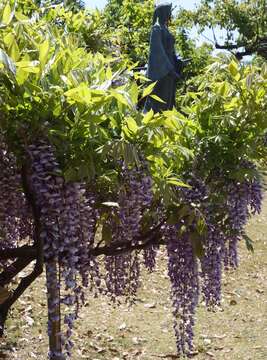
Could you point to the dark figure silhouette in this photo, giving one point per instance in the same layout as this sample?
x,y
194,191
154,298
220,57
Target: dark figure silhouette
x,y
163,65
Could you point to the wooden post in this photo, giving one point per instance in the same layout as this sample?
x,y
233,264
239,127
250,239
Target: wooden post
x,y
54,316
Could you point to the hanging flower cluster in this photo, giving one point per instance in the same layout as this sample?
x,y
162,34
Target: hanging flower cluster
x,y
69,221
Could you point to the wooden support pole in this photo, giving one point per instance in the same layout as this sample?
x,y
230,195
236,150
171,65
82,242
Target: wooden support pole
x,y
54,315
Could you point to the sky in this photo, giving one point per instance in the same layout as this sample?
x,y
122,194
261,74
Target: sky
x,y
188,4
95,3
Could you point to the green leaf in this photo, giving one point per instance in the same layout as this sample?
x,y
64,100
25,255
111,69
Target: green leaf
x,y
187,153
29,66
243,173
264,70
8,39
11,44
233,68
134,91
109,74
177,182
128,153
21,76
81,94
172,219
71,174
249,243
201,226
85,171
43,52
222,88
120,98
184,210
155,97
106,233
14,51
131,125
148,116
7,14
196,241
148,90
21,17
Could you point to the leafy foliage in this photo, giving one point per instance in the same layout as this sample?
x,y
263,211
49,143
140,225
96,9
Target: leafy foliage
x,y
236,98
130,22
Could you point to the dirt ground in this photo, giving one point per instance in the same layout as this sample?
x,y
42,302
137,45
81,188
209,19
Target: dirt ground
x,y
144,332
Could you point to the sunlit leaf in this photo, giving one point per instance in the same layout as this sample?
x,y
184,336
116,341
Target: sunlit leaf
x,y
21,17
131,125
155,97
43,52
29,66
119,97
148,116
177,182
233,68
7,14
134,91
148,90
14,51
80,94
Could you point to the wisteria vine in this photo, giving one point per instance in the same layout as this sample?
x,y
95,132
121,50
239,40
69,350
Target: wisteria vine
x,y
72,218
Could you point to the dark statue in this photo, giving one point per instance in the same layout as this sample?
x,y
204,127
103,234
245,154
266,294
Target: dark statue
x,y
163,64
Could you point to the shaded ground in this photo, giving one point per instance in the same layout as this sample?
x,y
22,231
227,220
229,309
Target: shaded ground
x,y
144,332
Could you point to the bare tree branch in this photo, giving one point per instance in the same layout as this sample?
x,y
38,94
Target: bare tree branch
x,y
14,269
26,252
259,46
228,46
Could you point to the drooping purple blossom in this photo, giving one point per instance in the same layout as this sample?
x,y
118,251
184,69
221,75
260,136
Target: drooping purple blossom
x,y
48,196
68,227
134,197
243,199
211,266
150,257
183,273
15,215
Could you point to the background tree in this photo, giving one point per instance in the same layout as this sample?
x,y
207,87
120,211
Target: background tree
x,y
129,24
245,23
73,5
